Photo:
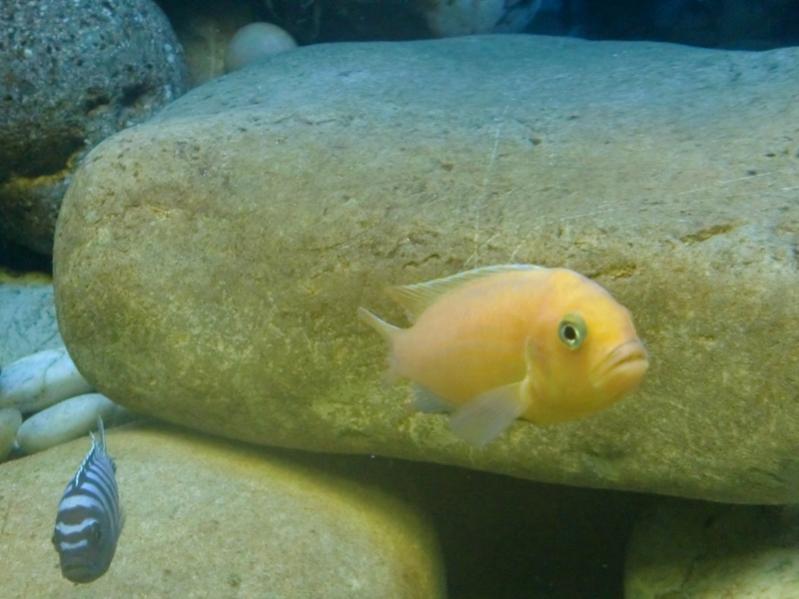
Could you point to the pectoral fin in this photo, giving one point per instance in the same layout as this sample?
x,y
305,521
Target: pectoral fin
x,y
428,402
485,417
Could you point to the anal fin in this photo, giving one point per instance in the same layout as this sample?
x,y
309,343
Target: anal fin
x,y
486,416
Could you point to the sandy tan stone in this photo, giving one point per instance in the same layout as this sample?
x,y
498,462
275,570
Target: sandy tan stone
x,y
211,518
208,264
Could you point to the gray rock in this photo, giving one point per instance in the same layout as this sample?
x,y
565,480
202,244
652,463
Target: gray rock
x,y
64,421
209,518
10,419
27,318
313,181
71,74
689,549
40,380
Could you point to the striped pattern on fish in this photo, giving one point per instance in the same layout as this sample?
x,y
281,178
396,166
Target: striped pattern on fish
x,y
89,517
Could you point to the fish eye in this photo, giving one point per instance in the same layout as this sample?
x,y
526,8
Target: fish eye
x,y
572,331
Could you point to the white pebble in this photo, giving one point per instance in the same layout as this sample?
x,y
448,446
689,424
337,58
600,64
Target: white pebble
x,y
40,380
64,421
10,419
255,41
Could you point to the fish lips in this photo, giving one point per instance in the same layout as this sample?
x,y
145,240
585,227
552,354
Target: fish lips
x,y
622,369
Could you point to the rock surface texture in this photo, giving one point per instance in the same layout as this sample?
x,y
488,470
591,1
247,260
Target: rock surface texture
x,y
71,74
204,518
28,317
208,264
706,550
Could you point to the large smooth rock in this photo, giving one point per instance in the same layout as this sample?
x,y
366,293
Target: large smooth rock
x,y
209,264
208,518
706,550
71,74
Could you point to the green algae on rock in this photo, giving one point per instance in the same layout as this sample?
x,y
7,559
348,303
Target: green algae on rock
x,y
208,264
205,514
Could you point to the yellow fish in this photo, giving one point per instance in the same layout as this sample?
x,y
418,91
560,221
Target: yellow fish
x,y
512,341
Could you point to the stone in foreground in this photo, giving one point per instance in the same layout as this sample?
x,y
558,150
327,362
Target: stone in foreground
x,y
215,519
209,263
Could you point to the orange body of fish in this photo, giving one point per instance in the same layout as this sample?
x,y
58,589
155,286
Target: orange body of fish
x,y
513,341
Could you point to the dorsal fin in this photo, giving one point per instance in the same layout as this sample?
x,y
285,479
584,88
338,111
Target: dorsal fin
x,y
100,433
416,298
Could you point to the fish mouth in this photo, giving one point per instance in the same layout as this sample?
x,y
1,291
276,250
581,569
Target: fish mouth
x,y
626,364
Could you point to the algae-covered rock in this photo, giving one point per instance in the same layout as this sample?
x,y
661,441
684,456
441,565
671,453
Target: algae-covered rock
x,y
706,550
209,263
206,518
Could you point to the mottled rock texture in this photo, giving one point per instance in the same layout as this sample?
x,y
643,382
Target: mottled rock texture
x,y
27,317
71,74
208,264
706,550
206,518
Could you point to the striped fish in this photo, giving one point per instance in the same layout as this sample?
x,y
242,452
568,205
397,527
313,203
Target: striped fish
x,y
89,518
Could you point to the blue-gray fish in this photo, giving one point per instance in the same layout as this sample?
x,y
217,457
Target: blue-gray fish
x,y
89,518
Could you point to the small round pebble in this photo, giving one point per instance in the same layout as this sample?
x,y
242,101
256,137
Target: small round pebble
x,y
10,419
40,380
64,421
255,41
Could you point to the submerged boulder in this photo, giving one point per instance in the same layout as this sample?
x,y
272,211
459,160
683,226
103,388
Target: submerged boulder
x,y
209,263
203,515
